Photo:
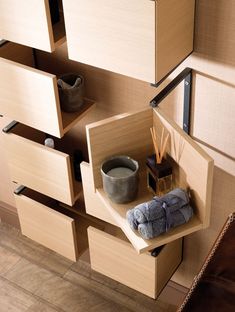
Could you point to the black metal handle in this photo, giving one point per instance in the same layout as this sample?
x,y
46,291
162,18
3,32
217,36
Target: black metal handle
x,y
10,126
19,189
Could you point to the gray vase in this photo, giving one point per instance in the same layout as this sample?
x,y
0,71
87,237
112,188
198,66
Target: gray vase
x,y
71,92
120,179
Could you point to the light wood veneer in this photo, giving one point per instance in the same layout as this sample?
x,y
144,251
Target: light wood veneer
x,y
28,22
139,38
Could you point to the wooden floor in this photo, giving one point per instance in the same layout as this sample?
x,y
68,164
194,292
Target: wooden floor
x,y
33,278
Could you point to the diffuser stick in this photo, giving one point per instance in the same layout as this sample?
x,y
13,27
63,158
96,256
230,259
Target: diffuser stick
x,y
155,146
162,152
162,136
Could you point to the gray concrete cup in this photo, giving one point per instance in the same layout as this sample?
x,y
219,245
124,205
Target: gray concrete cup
x,y
120,178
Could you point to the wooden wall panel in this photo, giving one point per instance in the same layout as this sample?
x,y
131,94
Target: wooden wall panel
x,y
214,114
215,29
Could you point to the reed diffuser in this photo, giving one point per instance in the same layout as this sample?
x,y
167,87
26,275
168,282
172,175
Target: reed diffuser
x,y
159,170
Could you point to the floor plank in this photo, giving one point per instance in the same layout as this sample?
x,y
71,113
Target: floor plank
x,y
14,299
35,279
7,260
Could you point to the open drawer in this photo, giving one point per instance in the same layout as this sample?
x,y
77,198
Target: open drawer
x,y
44,221
112,255
142,39
41,168
129,134
29,22
31,97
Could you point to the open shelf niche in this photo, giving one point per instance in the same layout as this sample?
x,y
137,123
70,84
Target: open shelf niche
x,y
129,134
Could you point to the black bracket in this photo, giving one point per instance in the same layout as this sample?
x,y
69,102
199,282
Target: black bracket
x,y
185,75
2,42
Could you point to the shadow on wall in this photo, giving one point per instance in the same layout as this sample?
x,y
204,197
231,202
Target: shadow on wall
x,y
215,29
223,193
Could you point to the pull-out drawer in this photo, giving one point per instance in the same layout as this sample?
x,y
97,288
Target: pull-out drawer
x,y
142,39
31,97
28,22
113,256
129,134
44,221
41,168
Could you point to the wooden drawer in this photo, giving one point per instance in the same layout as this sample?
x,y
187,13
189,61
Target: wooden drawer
x,y
28,22
31,97
38,167
142,39
44,221
113,256
129,134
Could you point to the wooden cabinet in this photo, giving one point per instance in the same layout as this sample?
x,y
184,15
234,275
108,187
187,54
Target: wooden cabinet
x,y
38,167
142,39
113,256
28,22
30,96
129,134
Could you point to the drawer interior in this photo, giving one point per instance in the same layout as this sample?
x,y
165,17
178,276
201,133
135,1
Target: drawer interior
x,y
33,98
58,28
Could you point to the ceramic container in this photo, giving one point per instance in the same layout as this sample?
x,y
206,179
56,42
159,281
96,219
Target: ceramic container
x,y
120,179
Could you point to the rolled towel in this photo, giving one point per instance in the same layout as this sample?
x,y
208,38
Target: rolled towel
x,y
153,209
131,219
153,229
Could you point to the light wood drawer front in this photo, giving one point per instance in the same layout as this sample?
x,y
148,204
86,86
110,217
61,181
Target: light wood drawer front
x,y
31,97
114,35
47,226
40,168
28,22
139,38
118,260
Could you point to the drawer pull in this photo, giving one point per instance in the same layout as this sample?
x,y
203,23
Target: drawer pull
x,y
19,189
10,126
155,252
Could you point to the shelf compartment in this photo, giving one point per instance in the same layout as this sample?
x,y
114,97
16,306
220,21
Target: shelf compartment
x,y
44,221
43,169
31,97
142,39
28,22
129,134
112,255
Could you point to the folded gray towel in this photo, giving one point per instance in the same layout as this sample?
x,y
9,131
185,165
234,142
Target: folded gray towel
x,y
131,219
153,229
160,214
154,209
